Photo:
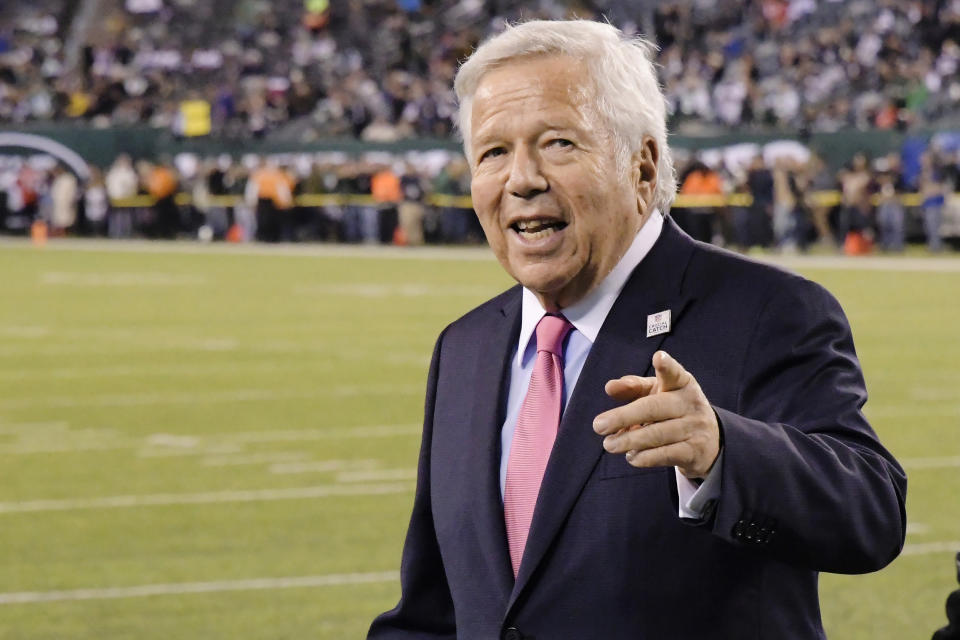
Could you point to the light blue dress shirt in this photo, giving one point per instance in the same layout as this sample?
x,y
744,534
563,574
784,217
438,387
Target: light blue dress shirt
x,y
587,317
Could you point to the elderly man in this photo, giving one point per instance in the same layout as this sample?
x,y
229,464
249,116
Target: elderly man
x,y
575,480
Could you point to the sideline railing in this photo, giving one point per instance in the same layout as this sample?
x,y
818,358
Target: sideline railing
x,y
817,198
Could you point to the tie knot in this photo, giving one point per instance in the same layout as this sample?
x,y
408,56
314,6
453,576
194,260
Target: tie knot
x,y
551,330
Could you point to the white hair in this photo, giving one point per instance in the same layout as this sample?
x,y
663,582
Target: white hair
x,y
627,93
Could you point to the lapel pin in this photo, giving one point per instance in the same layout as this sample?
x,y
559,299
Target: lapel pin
x,y
658,323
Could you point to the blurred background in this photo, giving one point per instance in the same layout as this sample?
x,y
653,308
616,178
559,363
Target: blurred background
x,y
797,123
215,436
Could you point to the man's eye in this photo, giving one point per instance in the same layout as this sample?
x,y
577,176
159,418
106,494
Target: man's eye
x,y
562,143
492,153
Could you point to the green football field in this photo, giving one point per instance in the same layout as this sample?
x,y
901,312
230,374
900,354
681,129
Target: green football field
x,y
220,442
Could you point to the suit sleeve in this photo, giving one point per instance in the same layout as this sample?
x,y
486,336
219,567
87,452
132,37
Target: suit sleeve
x,y
425,610
805,478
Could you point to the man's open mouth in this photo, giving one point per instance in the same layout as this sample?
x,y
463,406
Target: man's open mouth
x,y
537,229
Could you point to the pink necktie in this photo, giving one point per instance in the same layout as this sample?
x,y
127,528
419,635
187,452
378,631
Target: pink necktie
x,y
534,435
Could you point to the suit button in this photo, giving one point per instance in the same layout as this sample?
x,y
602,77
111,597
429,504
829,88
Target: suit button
x,y
512,634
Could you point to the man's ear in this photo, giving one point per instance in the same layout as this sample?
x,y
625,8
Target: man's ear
x,y
644,164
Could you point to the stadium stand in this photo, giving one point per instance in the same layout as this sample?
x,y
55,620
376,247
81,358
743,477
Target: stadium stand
x,y
380,72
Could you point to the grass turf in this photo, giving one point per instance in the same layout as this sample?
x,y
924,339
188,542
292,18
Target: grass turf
x,y
161,414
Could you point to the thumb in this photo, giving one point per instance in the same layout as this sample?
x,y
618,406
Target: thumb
x,y
670,374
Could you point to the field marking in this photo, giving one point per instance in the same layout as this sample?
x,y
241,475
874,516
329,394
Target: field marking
x,y
164,445
917,528
404,290
377,475
70,373
944,462
478,253
183,588
208,497
240,459
24,331
19,428
119,279
926,548
294,582
930,264
910,410
324,466
254,394
452,253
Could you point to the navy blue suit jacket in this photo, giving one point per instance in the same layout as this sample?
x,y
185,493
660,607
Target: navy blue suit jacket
x,y
807,487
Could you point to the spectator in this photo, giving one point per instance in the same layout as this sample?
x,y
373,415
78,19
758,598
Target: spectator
x,y
700,180
270,191
121,183
856,215
161,183
933,197
890,210
64,193
95,204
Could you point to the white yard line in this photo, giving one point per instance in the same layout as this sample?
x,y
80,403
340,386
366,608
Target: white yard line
x,y
119,279
294,582
926,548
377,475
324,466
945,263
241,459
945,462
479,253
20,428
209,497
182,588
255,394
870,263
163,445
183,370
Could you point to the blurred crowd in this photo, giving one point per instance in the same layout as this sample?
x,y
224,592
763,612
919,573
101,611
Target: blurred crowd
x,y
787,203
382,70
791,204
276,199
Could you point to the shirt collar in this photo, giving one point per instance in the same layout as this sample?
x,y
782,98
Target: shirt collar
x,y
589,313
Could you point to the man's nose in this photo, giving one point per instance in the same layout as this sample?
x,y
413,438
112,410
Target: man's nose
x,y
526,180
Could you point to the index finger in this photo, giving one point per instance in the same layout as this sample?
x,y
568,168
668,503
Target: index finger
x,y
629,387
670,373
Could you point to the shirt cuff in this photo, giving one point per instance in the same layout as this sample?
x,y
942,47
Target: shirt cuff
x,y
696,500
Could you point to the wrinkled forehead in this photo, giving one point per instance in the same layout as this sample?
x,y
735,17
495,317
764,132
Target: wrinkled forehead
x,y
560,74
532,83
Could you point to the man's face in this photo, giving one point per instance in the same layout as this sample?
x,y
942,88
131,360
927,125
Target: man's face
x,y
556,209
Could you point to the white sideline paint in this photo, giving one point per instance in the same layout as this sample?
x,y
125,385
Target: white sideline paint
x,y
191,370
119,279
203,397
162,445
916,528
210,497
265,584
223,441
931,463
231,460
377,475
457,254
21,428
866,263
324,466
408,290
926,548
181,588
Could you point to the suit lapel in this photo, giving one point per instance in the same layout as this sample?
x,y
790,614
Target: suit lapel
x,y
621,348
492,364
